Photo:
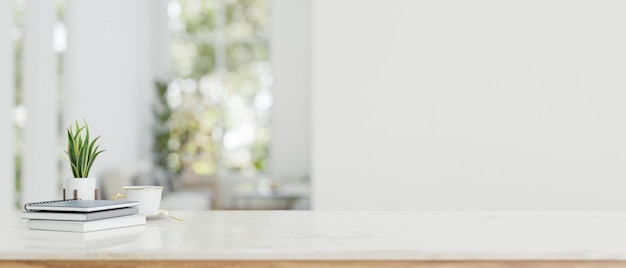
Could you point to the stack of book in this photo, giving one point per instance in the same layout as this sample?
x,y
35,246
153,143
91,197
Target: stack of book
x,y
82,216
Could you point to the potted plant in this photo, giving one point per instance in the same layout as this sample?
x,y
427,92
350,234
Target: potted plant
x,y
81,154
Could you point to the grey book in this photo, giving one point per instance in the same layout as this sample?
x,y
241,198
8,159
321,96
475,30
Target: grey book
x,y
77,205
79,216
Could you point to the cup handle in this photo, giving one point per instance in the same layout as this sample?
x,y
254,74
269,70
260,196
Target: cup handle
x,y
119,195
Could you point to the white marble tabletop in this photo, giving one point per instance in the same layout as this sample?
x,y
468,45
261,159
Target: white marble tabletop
x,y
338,235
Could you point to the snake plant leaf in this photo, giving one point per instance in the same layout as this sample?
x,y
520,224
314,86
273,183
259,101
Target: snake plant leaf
x,y
79,145
92,160
81,161
78,129
71,154
75,171
91,148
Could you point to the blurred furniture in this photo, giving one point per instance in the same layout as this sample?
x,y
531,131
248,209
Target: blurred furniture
x,y
174,197
242,201
268,195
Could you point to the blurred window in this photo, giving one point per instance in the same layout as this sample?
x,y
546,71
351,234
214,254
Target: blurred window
x,y
215,114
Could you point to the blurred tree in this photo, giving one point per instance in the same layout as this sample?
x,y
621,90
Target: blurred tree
x,y
215,114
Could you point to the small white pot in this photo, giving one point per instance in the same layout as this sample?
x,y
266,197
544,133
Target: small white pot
x,y
86,188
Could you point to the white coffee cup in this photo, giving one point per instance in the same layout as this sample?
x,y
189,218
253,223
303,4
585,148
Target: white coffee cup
x,y
149,197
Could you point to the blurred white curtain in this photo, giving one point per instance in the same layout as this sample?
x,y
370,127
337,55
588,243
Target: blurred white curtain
x,y
291,61
41,151
7,103
108,77
163,67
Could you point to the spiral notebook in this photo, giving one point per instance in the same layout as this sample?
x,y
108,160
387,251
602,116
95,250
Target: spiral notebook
x,y
77,205
79,216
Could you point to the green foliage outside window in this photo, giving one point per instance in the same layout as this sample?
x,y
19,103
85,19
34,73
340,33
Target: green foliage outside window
x,y
215,114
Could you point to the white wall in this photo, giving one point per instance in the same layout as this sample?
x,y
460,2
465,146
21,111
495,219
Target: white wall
x,y
290,45
7,104
108,74
469,104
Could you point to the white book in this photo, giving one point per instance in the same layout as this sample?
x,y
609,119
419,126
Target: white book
x,y
87,226
78,205
79,216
